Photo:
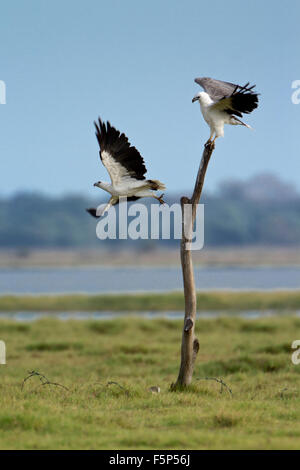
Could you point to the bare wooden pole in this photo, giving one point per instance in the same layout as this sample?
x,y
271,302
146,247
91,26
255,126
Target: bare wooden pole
x,y
190,344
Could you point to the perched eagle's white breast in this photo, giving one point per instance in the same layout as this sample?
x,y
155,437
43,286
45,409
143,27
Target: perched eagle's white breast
x,y
213,117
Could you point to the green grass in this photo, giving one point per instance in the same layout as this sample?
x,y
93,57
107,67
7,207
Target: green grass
x,y
214,300
252,357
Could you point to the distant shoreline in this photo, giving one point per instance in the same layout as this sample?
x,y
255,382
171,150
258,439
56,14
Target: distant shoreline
x,y
242,256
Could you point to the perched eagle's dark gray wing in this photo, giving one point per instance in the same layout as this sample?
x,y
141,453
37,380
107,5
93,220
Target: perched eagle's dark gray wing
x,y
216,89
228,97
122,160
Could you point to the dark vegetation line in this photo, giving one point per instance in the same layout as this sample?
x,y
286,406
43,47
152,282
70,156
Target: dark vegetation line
x,y
173,301
260,211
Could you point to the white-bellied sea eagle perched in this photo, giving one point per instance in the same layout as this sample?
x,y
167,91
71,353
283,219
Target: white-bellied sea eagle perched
x,y
126,169
222,102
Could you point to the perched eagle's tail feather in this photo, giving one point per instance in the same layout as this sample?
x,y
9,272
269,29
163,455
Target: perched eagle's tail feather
x,y
246,125
235,121
156,185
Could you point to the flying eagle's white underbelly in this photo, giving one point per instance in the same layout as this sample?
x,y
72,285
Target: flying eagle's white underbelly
x,y
130,187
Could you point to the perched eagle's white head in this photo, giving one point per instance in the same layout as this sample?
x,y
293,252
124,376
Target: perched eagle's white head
x,y
203,98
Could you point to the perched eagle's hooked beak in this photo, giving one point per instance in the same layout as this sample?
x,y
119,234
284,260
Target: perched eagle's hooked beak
x,y
196,98
97,184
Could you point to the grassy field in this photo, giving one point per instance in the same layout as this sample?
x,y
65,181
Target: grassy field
x,y
253,357
207,301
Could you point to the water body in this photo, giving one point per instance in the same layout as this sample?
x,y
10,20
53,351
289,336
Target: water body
x,y
176,315
136,279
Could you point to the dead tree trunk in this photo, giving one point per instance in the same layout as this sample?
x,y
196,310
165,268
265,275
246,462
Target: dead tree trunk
x,y
190,344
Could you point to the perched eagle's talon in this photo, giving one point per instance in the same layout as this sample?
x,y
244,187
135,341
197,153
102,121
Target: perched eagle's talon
x,y
210,144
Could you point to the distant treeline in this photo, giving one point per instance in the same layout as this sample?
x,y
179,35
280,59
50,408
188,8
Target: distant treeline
x,y
260,211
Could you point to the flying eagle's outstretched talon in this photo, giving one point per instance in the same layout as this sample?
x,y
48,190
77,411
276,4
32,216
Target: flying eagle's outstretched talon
x,y
160,199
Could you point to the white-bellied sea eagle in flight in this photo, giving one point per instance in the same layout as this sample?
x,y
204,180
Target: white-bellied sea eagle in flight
x,y
222,102
126,169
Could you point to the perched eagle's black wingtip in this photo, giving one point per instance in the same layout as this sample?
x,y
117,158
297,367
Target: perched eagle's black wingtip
x,y
92,212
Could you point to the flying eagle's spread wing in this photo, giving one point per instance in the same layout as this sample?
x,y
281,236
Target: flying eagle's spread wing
x,y
228,97
122,160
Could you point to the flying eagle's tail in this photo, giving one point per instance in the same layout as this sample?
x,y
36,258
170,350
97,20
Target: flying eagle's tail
x,y
156,185
235,122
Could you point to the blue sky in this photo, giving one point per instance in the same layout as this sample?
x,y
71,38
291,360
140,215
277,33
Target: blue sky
x,y
133,62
